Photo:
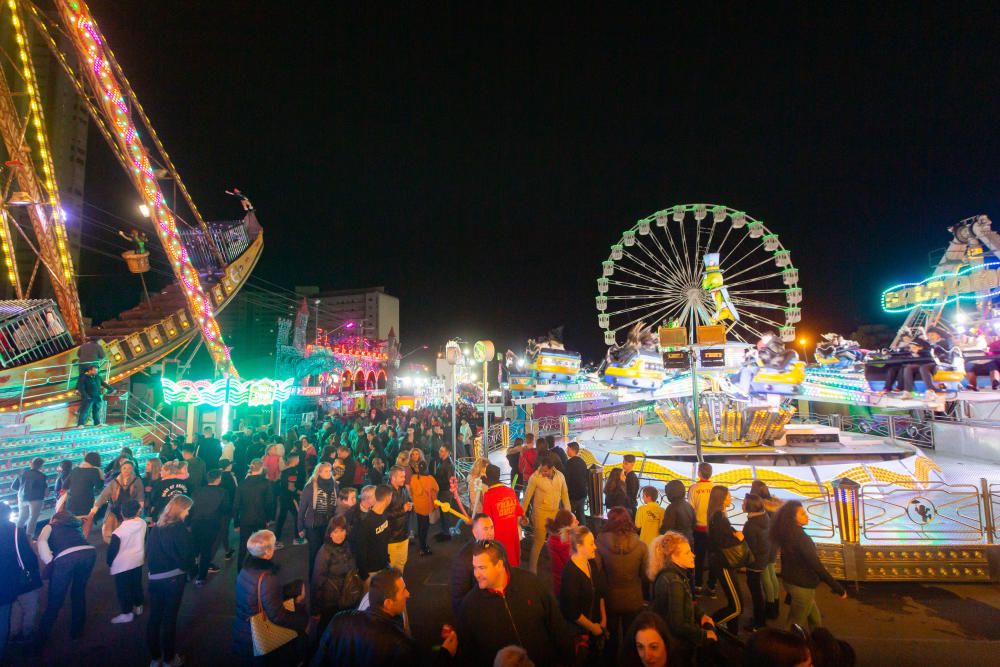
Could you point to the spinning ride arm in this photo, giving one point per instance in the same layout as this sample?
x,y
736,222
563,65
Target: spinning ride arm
x,y
96,63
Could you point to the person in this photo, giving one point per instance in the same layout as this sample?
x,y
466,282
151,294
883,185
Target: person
x,y
510,606
330,578
31,486
614,490
443,472
91,388
625,560
272,464
679,515
125,486
372,546
288,490
462,578
476,485
376,471
631,482
347,498
500,504
576,479
91,353
649,517
20,581
170,556
670,563
229,485
316,508
195,466
646,642
721,536
513,455
62,479
559,549
83,485
209,448
228,448
583,590
373,637
769,577
211,506
258,589
529,459
827,651
250,511
356,513
114,465
698,497
545,493
801,569
149,479
512,656
398,514
755,531
63,545
423,490
169,451
772,647
172,482
125,557
944,354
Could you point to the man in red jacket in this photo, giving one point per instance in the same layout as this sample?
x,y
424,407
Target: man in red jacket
x,y
500,504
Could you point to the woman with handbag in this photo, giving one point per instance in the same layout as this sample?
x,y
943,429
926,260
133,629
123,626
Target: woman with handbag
x,y
727,552
124,486
583,589
335,584
265,630
170,553
69,560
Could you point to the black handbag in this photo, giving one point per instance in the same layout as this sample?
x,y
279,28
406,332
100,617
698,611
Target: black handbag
x,y
737,556
29,579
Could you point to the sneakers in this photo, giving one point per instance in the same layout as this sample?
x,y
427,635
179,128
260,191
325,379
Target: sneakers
x,y
213,568
199,582
229,555
279,545
123,618
298,541
137,610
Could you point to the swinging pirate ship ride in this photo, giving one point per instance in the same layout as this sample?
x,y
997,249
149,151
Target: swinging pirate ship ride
x,y
40,337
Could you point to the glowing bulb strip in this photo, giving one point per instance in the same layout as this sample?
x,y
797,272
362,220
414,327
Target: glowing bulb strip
x,y
95,61
943,285
8,256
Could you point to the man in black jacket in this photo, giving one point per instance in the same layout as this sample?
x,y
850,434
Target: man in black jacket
x,y
443,471
631,482
511,606
211,505
254,497
576,479
31,486
91,388
196,467
209,448
373,638
462,578
372,543
398,514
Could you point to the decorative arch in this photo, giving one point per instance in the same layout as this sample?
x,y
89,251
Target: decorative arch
x,y
381,380
370,380
359,380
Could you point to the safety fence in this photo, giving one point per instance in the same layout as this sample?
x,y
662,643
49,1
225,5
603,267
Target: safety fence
x,y
917,431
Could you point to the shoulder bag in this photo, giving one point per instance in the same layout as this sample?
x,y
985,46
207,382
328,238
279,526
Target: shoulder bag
x,y
737,556
267,636
28,580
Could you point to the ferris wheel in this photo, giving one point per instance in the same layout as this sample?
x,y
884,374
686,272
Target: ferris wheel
x,y
697,264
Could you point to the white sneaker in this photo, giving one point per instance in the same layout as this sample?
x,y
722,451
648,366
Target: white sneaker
x,y
137,610
123,618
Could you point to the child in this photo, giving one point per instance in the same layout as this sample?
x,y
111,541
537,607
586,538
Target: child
x,y
126,555
649,516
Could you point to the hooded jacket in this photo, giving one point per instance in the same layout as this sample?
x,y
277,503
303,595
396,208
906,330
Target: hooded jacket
x,y
679,514
755,533
624,557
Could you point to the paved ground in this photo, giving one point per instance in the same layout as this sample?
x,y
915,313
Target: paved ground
x,y
888,624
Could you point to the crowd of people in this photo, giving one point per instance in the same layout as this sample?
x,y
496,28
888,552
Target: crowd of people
x,y
357,493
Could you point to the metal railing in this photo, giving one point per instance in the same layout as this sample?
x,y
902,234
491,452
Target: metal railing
x,y
903,428
230,238
47,384
922,512
552,424
31,331
156,425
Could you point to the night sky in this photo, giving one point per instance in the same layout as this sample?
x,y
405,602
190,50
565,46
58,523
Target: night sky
x,y
479,161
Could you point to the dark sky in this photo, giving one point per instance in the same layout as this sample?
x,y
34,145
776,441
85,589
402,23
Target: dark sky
x,y
479,160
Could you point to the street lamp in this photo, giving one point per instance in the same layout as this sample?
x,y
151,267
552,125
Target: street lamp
x,y
805,352
453,354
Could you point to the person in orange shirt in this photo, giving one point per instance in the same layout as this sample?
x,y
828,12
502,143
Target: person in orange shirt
x,y
423,490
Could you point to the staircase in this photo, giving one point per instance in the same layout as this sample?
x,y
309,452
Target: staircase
x,y
16,453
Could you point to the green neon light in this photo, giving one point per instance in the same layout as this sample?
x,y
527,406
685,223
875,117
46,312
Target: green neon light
x,y
952,298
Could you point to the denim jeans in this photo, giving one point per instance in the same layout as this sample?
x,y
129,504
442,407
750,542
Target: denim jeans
x,y
69,573
164,605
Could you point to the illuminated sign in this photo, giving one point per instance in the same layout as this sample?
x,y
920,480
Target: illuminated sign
x,y
712,358
972,282
676,359
227,391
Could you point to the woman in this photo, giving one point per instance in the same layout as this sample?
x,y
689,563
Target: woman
x,y
615,494
83,485
646,642
376,471
722,535
670,562
149,479
769,577
273,464
625,558
170,555
258,589
125,486
801,569
476,485
413,462
112,468
63,548
62,480
333,563
317,505
559,549
423,490
755,529
581,596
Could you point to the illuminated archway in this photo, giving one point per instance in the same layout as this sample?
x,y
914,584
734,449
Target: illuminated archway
x,y
381,380
370,380
359,380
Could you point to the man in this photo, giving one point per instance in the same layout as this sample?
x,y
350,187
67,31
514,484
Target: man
x,y
514,461
500,504
355,516
209,448
698,497
545,493
631,482
372,545
346,459
462,578
172,482
228,448
443,471
31,486
211,505
576,479
529,459
288,488
13,586
229,485
399,518
195,466
373,638
91,388
91,353
254,498
510,606
346,499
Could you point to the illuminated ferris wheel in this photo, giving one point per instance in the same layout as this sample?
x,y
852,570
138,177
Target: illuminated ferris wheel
x,y
697,264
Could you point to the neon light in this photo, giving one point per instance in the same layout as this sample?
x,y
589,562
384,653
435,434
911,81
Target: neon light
x,y
240,392
940,290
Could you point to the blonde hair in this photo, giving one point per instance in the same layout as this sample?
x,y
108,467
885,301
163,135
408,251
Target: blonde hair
x,y
173,512
314,479
403,459
661,549
574,536
478,468
153,467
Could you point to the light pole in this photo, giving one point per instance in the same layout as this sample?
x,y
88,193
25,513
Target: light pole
x,y
483,351
805,353
453,353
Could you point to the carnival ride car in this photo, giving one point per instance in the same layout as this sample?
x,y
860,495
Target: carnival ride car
x,y
837,352
637,364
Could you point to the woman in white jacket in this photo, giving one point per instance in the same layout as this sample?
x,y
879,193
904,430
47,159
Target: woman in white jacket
x,y
126,556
